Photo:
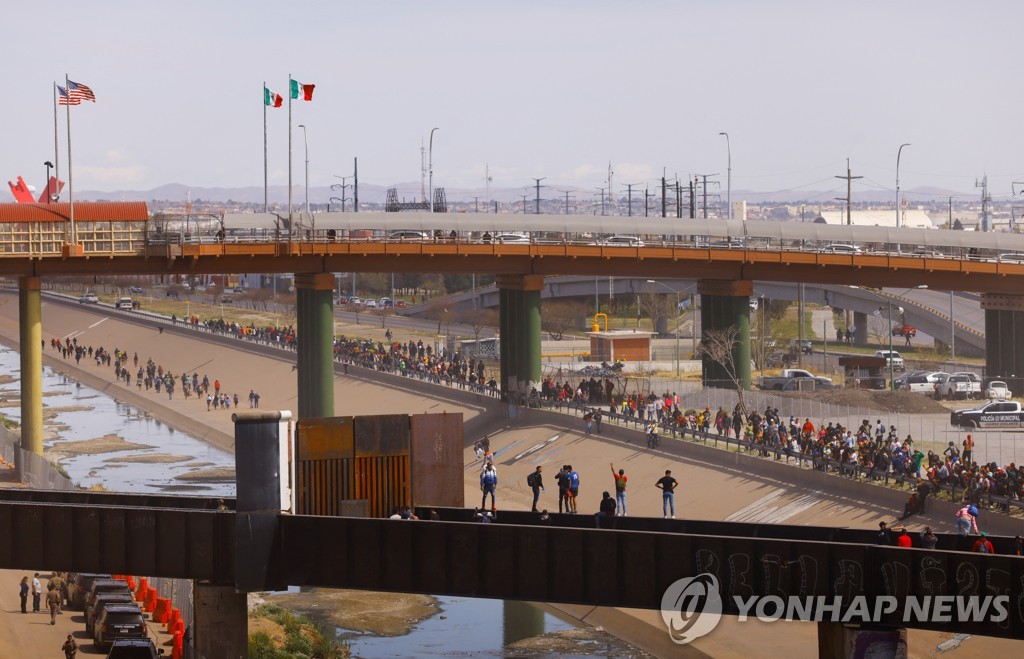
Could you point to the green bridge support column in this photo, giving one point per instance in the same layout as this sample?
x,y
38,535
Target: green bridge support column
x,y
1004,338
314,312
30,330
726,305
519,297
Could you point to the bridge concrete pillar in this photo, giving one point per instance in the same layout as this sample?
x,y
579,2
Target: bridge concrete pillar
x,y
520,331
221,627
860,325
30,330
315,320
1004,338
725,307
839,641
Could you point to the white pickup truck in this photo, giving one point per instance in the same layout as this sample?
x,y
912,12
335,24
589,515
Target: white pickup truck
x,y
958,386
1003,413
793,379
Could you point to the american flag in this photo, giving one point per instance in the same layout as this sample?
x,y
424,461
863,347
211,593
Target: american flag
x,y
64,99
77,90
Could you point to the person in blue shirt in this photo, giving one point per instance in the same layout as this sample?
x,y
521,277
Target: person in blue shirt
x,y
488,482
574,487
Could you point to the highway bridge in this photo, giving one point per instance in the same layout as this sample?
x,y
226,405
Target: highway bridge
x,y
727,258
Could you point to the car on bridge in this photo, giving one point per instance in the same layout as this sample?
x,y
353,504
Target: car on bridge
x,y
407,235
620,241
511,239
840,248
1011,258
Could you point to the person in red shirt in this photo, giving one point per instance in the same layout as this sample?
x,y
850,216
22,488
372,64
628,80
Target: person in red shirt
x,y
903,540
983,546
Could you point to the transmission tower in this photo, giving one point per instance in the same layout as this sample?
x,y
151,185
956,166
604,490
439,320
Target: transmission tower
x,y
539,186
986,199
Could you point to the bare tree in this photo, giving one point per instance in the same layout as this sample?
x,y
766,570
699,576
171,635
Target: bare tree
x,y
719,346
878,328
479,319
561,316
655,306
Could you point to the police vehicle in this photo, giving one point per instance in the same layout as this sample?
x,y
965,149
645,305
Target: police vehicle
x,y
1002,413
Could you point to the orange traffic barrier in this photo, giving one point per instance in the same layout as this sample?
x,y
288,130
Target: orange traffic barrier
x,y
150,604
131,581
178,626
162,611
140,594
174,617
178,641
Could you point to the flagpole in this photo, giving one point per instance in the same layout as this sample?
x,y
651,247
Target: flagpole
x,y
291,223
56,152
266,207
71,184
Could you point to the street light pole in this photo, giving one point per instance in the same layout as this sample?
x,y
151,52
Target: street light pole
x,y
305,143
898,154
892,368
431,169
48,165
728,147
652,281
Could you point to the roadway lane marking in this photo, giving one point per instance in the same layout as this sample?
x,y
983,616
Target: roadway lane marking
x,y
101,320
536,447
772,509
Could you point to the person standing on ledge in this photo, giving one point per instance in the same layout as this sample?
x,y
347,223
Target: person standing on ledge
x,y
488,483
536,483
620,489
667,485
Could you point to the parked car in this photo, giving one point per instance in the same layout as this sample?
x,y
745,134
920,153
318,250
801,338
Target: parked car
x,y
89,298
958,385
119,621
79,585
238,289
840,248
385,303
355,299
904,330
997,389
136,290
93,612
401,304
919,381
134,648
341,299
124,304
892,359
370,304
100,586
620,241
1011,258
805,346
732,243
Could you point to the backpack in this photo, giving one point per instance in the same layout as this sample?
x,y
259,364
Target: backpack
x,y
983,547
531,480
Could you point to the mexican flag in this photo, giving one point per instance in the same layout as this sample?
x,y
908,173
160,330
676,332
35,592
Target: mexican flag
x,y
299,90
272,99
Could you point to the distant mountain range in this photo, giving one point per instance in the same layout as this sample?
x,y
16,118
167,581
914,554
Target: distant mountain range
x,y
376,194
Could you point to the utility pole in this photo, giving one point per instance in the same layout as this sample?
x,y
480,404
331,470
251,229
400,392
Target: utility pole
x,y
704,191
849,191
566,193
647,195
664,208
355,185
538,180
601,190
629,198
693,199
986,224
476,204
524,196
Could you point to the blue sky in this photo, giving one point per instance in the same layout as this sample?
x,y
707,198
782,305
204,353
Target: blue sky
x,y
534,89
